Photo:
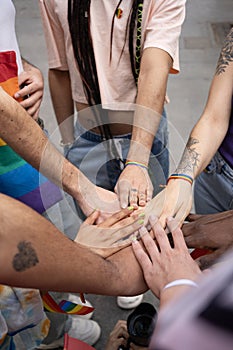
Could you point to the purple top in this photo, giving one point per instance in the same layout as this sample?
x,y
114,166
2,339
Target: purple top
x,y
226,148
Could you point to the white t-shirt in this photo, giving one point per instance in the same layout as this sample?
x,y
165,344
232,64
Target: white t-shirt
x,y
8,40
161,27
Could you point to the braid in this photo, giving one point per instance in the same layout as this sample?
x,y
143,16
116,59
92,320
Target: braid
x,y
79,25
135,58
78,18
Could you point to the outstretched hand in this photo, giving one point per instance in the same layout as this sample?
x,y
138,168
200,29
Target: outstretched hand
x,y
134,187
173,201
111,235
212,232
160,262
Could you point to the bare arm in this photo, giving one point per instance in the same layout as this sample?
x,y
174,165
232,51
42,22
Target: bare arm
x,y
152,83
30,142
205,138
60,89
36,255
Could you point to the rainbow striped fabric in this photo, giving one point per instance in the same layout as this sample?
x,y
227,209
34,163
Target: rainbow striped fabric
x,y
65,306
18,179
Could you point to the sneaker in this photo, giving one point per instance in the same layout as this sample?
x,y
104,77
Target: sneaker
x,y
82,329
74,298
129,302
86,330
54,345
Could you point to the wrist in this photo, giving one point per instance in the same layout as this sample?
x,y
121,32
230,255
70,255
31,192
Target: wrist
x,y
180,282
173,289
135,163
181,176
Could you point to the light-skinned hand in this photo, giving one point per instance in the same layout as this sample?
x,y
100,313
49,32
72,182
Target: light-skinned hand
x,y
134,187
160,262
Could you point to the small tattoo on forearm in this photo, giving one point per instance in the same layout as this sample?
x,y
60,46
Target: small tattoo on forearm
x,y
26,257
226,55
190,158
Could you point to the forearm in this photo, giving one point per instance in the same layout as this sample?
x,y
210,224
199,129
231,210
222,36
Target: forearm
x,y
152,84
204,140
47,253
60,90
31,143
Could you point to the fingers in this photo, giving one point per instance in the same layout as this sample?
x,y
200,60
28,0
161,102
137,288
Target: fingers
x,y
92,218
208,260
133,197
177,234
125,232
122,189
140,254
193,217
159,233
115,218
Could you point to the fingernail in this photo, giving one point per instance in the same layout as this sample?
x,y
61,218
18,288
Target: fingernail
x,y
131,208
134,238
124,205
17,95
142,231
141,222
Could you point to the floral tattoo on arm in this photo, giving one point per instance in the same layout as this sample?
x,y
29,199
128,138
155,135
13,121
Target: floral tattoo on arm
x,y
25,258
190,158
226,55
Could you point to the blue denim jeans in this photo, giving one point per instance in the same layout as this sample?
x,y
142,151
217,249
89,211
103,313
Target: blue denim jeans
x,y
91,155
94,158
213,190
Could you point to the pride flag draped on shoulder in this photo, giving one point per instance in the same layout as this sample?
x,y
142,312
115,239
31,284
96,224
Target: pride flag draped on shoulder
x,y
18,179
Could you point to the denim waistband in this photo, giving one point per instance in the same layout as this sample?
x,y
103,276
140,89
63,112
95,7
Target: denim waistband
x,y
80,131
219,165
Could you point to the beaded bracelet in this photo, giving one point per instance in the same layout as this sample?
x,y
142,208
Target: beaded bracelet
x,y
129,162
181,282
181,177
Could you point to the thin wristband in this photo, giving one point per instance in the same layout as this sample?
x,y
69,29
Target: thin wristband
x,y
129,162
181,282
180,177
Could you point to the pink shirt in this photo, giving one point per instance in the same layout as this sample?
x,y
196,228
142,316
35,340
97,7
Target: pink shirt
x,y
161,27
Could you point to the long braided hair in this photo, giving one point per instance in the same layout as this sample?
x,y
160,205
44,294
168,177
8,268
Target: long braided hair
x,y
79,25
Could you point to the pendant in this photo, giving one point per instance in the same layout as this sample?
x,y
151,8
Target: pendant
x,y
119,13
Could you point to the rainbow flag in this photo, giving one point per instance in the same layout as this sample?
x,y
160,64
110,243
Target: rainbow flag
x,y
65,306
18,179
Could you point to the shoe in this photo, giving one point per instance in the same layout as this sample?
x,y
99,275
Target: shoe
x,y
129,302
54,345
86,330
82,329
74,298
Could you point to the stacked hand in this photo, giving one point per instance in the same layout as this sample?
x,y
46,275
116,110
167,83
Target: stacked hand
x,y
213,232
111,235
174,201
160,262
134,186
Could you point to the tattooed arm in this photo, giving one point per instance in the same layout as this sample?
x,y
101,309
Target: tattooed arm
x,y
204,140
34,254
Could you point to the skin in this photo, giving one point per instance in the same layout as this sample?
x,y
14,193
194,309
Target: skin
x,y
212,125
118,337
162,264
32,85
30,246
134,186
32,144
212,232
